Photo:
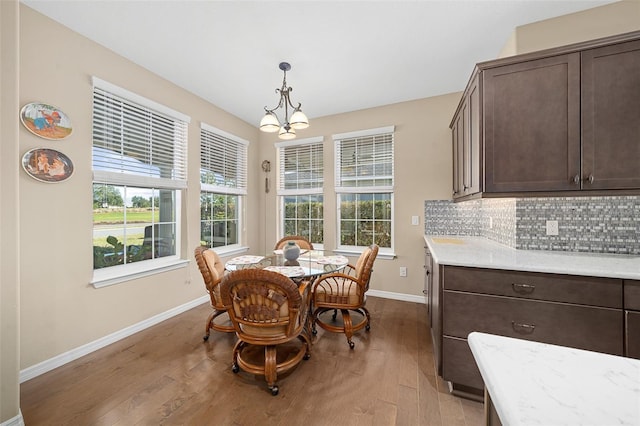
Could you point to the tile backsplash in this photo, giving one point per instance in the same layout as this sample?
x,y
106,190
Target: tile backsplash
x,y
585,224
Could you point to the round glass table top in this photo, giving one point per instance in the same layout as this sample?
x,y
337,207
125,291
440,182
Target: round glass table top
x,y
310,263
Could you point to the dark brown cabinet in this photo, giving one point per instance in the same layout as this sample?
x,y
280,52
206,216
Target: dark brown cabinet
x,y
632,318
561,120
465,131
610,117
574,311
432,292
532,125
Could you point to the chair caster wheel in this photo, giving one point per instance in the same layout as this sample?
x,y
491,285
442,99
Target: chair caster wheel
x,y
205,338
235,368
352,345
367,327
274,390
306,356
314,331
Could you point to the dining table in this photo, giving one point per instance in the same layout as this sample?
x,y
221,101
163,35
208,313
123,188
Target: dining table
x,y
308,266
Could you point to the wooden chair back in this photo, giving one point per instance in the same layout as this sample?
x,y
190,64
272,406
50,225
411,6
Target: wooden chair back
x,y
265,307
364,266
302,242
212,270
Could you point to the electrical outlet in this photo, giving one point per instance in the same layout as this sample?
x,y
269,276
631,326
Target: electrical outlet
x,y
552,227
415,220
403,271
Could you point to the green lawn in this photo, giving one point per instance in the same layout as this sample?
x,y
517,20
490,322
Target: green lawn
x,y
104,217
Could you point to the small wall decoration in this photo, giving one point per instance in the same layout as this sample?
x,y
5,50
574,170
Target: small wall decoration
x,y
47,165
46,121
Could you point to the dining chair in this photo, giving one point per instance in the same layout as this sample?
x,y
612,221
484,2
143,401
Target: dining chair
x,y
212,270
268,310
344,291
302,242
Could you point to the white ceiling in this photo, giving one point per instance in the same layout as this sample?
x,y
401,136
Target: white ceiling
x,y
345,55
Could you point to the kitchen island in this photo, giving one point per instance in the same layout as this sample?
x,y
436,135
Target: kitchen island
x,y
531,383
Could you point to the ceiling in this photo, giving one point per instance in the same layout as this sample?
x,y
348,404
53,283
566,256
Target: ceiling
x,y
345,55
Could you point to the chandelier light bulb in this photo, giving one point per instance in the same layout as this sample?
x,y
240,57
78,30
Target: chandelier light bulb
x,y
269,123
287,133
298,120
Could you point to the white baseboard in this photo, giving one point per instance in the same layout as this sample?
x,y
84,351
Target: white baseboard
x,y
397,296
59,360
15,421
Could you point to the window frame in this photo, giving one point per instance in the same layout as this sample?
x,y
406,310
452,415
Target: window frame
x,y
240,191
341,189
283,192
177,183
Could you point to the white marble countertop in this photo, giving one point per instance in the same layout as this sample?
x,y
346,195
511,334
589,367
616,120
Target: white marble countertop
x,y
534,383
484,253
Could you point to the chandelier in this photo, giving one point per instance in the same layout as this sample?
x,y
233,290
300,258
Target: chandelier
x,y
297,121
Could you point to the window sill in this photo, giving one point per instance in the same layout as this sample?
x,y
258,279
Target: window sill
x,y
107,278
381,255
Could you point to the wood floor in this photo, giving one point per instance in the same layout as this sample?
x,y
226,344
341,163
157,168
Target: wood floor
x,y
167,375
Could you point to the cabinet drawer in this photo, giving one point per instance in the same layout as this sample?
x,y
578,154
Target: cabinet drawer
x,y
604,292
632,334
583,327
632,295
459,366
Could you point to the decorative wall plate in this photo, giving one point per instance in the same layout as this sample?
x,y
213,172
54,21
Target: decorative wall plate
x,y
47,165
46,121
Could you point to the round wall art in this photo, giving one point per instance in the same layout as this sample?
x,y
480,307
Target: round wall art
x,y
47,165
46,121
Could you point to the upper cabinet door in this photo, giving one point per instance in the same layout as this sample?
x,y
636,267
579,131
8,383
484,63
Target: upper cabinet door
x,y
532,125
611,117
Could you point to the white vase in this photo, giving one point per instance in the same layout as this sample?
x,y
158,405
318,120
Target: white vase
x,y
291,251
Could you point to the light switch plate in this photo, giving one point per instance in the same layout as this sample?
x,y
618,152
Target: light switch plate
x,y
415,220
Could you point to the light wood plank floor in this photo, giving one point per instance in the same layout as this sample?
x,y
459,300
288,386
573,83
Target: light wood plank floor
x,y
168,375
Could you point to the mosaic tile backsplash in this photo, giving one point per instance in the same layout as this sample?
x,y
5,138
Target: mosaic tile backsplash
x,y
585,224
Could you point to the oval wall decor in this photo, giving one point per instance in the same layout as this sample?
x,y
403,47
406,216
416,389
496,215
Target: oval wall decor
x,y
46,121
47,165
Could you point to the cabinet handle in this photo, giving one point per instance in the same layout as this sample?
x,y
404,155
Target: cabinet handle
x,y
425,292
523,288
589,178
523,328
576,179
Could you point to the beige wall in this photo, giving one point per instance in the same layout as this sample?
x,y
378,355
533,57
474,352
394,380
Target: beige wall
x,y
423,168
9,214
60,310
611,19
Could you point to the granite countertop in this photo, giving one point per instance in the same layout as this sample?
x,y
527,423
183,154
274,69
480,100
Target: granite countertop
x,y
534,383
484,253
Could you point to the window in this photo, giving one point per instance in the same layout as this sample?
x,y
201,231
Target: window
x,y
364,187
223,183
139,170
300,186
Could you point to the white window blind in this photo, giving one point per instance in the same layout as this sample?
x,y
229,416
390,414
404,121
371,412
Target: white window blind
x,y
223,161
134,143
301,167
364,161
